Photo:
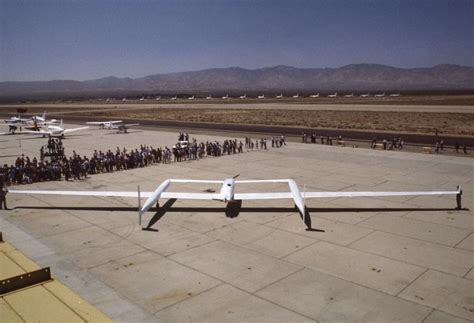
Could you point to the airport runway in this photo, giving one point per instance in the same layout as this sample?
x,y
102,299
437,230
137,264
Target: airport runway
x,y
399,259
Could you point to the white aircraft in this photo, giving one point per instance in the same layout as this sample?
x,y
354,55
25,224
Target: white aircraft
x,y
158,98
365,95
104,124
380,95
208,97
174,98
314,95
225,97
296,96
261,96
349,95
227,194
142,98
332,95
191,98
16,120
123,128
42,120
280,96
395,94
124,100
108,100
54,131
243,96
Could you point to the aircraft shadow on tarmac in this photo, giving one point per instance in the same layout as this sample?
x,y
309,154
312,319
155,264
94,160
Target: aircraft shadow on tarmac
x,y
233,210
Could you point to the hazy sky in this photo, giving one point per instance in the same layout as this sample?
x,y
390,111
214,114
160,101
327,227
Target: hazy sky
x,y
69,39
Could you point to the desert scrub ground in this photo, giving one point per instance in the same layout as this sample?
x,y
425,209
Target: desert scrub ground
x,y
412,122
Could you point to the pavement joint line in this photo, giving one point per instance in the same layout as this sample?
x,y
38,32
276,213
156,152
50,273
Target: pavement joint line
x,y
472,268
363,237
188,298
116,259
428,315
456,246
361,224
409,263
280,305
412,282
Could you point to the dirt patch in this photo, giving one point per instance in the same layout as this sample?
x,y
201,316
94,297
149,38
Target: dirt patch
x,y
411,122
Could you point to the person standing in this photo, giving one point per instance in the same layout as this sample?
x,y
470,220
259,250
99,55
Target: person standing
x,y
3,195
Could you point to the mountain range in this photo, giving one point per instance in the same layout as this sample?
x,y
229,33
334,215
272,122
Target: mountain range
x,y
355,77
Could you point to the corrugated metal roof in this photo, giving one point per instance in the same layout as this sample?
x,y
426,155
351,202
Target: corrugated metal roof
x,y
50,301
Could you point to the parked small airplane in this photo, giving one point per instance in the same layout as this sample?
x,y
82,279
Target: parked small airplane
x,y
314,95
227,194
158,98
16,120
395,94
332,95
261,96
225,97
142,98
296,96
365,95
380,95
191,98
243,96
124,100
208,97
349,95
104,124
280,96
174,98
123,128
54,131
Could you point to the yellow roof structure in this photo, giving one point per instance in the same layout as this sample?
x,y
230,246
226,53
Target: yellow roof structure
x,y
48,301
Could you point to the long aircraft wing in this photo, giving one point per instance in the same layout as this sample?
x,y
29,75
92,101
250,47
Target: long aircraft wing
x,y
74,129
33,132
167,195
103,123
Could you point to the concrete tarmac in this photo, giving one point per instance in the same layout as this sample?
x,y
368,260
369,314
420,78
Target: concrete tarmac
x,y
387,259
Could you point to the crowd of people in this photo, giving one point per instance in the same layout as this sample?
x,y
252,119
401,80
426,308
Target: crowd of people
x,y
54,165
394,143
324,140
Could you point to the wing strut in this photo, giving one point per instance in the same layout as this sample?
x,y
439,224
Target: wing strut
x,y
139,206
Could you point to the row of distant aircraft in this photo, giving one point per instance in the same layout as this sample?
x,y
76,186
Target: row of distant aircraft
x,y
280,96
39,125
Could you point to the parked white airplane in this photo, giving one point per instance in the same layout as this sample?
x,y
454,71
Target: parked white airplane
x,y
395,94
227,193
349,95
296,96
16,120
124,100
261,96
280,96
191,98
365,95
332,95
158,98
225,97
243,96
380,95
208,97
123,127
174,98
54,131
314,95
142,98
104,124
